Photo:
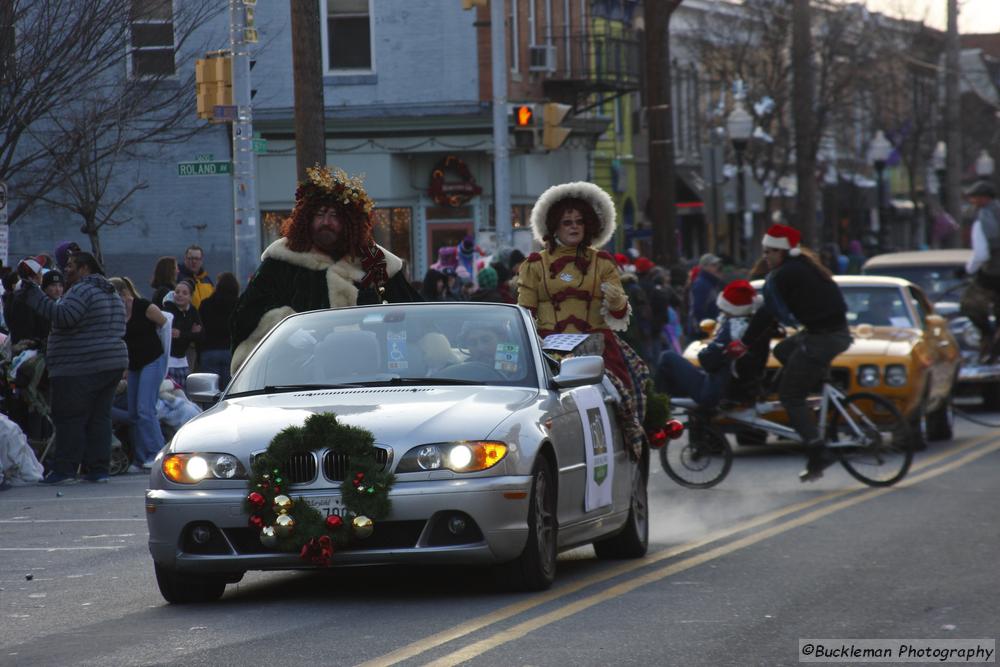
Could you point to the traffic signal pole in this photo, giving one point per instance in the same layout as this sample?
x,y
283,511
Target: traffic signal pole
x,y
501,152
246,217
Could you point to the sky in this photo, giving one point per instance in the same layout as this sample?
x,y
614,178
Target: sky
x,y
975,16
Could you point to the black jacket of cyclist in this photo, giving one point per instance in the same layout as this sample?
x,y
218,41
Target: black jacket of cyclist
x,y
800,292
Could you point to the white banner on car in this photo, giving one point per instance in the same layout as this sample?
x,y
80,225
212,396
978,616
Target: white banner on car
x,y
598,446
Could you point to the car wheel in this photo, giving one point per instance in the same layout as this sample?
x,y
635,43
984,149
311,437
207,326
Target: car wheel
x,y
181,588
535,568
991,396
918,428
633,540
941,422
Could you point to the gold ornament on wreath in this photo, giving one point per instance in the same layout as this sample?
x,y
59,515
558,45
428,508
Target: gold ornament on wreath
x,y
291,524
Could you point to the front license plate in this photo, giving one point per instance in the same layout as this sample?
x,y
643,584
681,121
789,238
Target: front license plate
x,y
327,505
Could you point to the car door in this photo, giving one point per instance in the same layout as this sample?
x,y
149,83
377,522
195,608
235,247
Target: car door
x,y
940,345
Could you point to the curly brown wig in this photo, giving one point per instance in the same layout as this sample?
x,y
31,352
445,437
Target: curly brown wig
x,y
356,230
592,225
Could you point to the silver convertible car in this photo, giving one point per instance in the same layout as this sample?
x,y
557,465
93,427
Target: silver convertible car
x,y
502,456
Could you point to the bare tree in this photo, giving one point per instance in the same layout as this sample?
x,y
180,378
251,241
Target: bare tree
x,y
661,140
76,102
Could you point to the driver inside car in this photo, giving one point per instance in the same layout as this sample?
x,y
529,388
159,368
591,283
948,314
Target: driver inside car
x,y
480,341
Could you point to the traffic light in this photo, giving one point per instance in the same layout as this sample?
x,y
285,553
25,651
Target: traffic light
x,y
214,83
524,125
553,135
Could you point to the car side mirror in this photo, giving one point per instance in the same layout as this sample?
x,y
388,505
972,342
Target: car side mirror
x,y
579,371
203,387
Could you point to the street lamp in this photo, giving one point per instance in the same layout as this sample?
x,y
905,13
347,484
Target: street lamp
x,y
984,165
740,128
939,161
878,155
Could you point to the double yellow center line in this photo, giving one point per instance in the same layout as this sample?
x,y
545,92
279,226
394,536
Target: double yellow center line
x,y
833,502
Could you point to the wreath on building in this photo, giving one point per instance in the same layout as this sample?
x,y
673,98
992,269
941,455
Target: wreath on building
x,y
292,525
455,193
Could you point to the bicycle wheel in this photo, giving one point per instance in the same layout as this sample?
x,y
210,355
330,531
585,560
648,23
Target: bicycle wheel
x,y
700,461
879,453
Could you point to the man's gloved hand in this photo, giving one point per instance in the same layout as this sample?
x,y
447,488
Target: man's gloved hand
x,y
736,349
614,295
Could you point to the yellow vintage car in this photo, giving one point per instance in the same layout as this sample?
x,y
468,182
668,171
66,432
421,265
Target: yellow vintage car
x,y
902,350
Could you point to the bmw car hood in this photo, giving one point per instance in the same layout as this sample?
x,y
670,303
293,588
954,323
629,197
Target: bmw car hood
x,y
396,416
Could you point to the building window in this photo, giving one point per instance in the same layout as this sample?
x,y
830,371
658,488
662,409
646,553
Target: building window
x,y
151,39
392,231
347,36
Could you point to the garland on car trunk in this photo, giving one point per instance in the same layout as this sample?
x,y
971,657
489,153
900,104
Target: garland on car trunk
x,y
293,525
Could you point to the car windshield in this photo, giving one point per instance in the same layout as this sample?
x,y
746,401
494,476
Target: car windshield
x,y
878,306
392,344
938,282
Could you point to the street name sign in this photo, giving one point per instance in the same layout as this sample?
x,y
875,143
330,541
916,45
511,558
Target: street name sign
x,y
204,168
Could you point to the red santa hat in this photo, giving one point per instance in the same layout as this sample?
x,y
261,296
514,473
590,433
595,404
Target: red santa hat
x,y
737,299
784,238
643,265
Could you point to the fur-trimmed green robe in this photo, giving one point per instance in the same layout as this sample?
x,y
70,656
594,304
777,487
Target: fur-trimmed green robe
x,y
289,282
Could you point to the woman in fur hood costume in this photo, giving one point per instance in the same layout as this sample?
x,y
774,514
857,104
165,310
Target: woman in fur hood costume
x,y
573,287
326,258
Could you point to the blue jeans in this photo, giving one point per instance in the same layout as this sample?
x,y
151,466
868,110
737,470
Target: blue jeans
x,y
143,392
81,413
216,361
678,377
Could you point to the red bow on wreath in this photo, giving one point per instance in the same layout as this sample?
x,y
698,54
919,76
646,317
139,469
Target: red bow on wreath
x,y
318,550
373,263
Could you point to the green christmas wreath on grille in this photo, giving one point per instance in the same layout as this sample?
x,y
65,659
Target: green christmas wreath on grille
x,y
292,525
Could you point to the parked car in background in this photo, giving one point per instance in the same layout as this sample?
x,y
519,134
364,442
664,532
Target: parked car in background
x,y
502,456
901,350
940,274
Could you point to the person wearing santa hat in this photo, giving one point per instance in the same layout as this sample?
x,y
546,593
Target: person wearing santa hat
x,y
720,360
800,292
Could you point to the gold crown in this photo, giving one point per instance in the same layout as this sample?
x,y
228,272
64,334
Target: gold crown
x,y
337,185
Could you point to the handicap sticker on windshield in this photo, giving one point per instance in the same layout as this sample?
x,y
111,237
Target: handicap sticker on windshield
x,y
506,357
395,342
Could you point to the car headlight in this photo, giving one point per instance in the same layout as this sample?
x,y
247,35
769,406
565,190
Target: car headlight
x,y
191,468
868,375
895,375
466,456
970,336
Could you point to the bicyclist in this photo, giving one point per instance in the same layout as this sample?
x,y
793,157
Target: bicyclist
x,y
982,297
800,292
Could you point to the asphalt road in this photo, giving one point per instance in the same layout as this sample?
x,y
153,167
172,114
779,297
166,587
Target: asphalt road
x,y
736,575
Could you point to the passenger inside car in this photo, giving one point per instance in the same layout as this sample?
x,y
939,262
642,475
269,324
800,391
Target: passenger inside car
x,y
884,308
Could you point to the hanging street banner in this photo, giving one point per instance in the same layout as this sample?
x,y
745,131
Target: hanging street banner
x,y
204,168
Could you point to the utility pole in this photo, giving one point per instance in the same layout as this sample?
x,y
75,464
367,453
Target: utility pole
x,y
246,217
803,110
501,152
952,113
659,113
307,67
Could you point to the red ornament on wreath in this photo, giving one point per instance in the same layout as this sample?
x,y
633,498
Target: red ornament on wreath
x,y
333,522
452,193
256,500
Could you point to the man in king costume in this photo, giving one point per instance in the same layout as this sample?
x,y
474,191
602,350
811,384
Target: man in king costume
x,y
326,258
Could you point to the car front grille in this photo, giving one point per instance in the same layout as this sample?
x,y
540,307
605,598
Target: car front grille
x,y
301,468
335,465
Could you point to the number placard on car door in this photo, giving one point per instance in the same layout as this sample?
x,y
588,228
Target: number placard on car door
x,y
598,447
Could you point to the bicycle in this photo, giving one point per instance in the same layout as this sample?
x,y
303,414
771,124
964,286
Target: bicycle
x,y
865,433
